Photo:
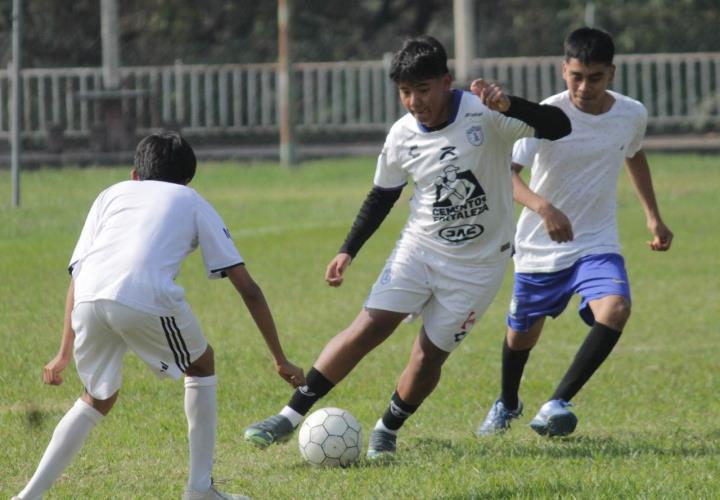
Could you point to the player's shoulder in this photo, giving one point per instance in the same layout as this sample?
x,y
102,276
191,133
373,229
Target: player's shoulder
x,y
558,99
404,128
471,106
628,104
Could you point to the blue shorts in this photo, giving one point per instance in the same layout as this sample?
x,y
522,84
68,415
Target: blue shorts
x,y
536,295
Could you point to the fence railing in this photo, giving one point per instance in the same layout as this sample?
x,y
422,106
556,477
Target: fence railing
x,y
678,90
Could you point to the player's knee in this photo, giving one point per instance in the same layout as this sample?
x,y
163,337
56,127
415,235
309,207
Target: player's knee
x,y
521,341
204,366
101,405
618,313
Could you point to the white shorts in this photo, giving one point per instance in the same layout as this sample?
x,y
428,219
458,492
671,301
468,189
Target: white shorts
x,y
450,296
105,330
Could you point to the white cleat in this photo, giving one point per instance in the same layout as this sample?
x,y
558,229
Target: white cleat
x,y
554,419
211,494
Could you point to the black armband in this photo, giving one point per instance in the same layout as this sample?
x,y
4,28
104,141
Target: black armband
x,y
549,122
374,209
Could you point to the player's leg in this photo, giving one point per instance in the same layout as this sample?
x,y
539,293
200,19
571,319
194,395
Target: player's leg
x,y
344,351
535,296
98,358
417,382
602,282
515,353
400,289
67,439
611,313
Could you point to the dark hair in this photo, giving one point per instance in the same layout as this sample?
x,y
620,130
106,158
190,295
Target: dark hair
x,y
165,157
419,58
589,45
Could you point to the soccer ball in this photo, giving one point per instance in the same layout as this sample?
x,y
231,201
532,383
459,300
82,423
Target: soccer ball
x,y
330,437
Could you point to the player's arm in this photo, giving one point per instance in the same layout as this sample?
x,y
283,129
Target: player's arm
x,y
373,211
254,300
549,122
639,171
52,370
556,223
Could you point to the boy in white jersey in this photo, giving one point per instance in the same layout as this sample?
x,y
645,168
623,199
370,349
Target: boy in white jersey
x,y
566,240
122,296
450,260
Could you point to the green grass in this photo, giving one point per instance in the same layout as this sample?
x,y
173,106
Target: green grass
x,y
649,420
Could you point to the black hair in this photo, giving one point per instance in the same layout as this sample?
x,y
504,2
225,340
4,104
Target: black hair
x,y
420,58
165,157
589,45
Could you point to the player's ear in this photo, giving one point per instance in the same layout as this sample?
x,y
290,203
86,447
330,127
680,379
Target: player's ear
x,y
612,73
447,81
134,175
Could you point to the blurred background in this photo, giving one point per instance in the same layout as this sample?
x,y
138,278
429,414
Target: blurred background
x,y
209,68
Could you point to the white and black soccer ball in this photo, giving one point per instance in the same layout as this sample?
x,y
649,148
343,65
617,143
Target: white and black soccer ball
x,y
330,437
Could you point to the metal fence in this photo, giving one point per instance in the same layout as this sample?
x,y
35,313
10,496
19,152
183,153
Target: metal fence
x,y
679,90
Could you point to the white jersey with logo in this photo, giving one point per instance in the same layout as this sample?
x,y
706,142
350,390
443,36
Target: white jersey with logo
x,y
462,202
135,238
578,175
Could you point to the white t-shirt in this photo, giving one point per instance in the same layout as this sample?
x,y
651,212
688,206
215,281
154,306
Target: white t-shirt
x,y
462,204
135,237
578,174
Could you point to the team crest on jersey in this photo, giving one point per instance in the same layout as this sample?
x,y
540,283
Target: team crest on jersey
x,y
475,135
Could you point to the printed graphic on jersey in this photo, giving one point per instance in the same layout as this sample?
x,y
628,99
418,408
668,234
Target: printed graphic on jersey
x,y
458,195
475,135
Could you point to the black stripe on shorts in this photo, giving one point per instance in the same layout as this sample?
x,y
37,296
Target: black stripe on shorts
x,y
176,346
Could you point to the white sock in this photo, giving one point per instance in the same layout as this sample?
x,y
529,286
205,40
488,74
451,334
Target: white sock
x,y
66,441
380,426
294,417
201,412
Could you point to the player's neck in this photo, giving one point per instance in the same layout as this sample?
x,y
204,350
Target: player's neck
x,y
443,118
601,107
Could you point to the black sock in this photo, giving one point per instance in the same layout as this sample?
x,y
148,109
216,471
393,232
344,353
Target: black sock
x,y
316,386
397,412
513,364
596,347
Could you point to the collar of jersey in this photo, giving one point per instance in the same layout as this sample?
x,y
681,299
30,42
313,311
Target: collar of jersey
x,y
456,98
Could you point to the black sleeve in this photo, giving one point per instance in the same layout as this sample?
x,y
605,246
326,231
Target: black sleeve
x,y
374,209
549,122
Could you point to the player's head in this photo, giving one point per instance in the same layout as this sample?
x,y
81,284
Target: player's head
x,y
165,157
420,58
589,45
587,69
420,71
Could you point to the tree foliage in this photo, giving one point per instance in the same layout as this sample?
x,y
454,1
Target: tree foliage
x,y
63,33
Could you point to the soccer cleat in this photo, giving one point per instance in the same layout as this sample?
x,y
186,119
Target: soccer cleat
x,y
382,444
554,419
275,429
211,494
498,419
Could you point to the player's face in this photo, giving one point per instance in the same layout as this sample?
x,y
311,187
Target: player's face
x,y
427,100
587,84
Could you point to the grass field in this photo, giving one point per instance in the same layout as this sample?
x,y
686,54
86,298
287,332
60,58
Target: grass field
x,y
649,420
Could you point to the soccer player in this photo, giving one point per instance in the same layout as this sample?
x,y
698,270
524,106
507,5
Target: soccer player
x,y
566,241
122,296
449,262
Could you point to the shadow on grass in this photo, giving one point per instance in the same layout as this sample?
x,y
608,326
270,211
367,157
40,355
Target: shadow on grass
x,y
675,444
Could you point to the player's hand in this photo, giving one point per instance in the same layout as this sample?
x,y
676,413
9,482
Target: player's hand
x,y
292,374
336,269
662,237
52,370
557,224
491,95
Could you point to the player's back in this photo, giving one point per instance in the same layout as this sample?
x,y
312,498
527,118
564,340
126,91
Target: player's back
x,y
134,240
